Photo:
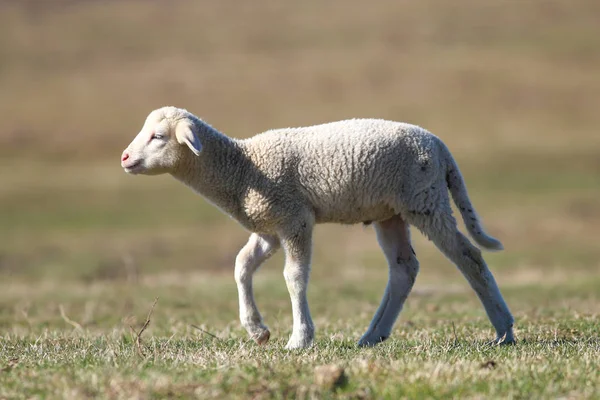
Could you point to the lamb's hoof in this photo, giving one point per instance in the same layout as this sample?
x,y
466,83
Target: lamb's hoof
x,y
369,340
262,338
507,339
295,345
302,337
299,342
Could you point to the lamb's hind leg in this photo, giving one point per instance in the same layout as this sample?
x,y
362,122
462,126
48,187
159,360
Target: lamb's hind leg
x,y
394,238
249,259
441,228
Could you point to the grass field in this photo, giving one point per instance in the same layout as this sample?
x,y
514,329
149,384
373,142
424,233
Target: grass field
x,y
512,88
438,349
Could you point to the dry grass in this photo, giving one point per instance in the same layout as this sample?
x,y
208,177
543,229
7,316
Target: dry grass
x,y
437,349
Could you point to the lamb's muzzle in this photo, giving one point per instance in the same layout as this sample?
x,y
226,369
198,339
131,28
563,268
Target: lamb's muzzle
x,y
128,164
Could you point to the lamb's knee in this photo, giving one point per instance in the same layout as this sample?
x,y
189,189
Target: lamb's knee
x,y
251,256
243,267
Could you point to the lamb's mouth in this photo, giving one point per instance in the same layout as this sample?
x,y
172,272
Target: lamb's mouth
x,y
134,168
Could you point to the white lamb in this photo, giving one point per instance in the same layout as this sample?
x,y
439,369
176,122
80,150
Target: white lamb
x,y
280,183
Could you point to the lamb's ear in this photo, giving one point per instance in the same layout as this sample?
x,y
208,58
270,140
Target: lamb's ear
x,y
185,135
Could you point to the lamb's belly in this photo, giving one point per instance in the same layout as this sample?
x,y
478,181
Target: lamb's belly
x,y
348,200
353,215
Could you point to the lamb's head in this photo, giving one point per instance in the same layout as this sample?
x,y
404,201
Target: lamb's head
x,y
168,136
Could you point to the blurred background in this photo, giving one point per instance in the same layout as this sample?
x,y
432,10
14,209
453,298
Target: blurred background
x,y
512,87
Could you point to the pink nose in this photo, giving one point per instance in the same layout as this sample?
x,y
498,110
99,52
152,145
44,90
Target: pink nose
x,y
125,156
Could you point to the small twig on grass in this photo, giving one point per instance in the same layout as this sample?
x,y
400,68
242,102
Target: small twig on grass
x,y
138,335
502,339
454,332
69,320
205,332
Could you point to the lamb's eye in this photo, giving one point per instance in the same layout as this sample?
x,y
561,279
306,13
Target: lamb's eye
x,y
157,136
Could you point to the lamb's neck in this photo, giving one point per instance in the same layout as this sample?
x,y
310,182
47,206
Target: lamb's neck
x,y
217,173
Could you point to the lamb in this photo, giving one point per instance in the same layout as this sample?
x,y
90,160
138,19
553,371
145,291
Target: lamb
x,y
280,183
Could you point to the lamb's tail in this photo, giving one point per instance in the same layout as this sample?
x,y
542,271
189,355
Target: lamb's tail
x,y
458,190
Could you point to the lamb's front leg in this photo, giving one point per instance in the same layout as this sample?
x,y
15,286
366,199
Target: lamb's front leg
x,y
249,259
297,242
